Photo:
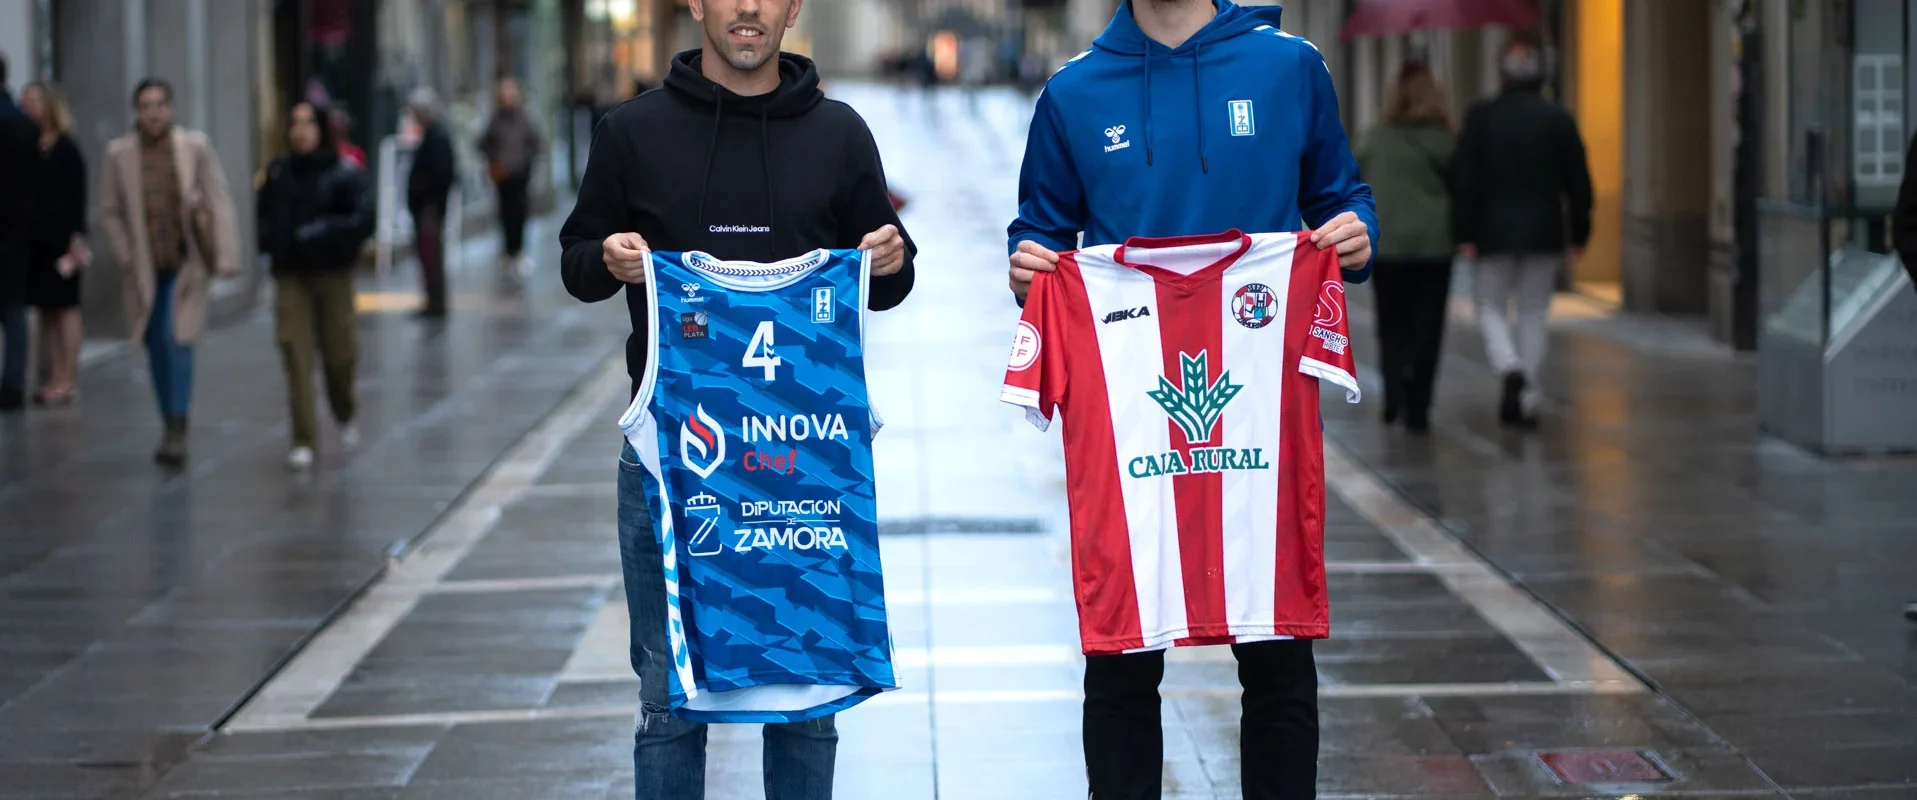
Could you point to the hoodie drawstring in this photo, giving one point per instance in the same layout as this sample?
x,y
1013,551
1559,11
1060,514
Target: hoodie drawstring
x,y
705,183
765,155
1197,104
1148,104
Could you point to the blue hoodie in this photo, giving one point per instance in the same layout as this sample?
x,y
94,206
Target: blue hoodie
x,y
1236,128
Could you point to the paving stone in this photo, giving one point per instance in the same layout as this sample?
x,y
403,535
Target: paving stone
x,y
217,775
1699,771
510,749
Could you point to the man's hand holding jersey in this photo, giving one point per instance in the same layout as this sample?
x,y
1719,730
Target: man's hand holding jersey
x,y
1028,261
1350,235
626,255
885,249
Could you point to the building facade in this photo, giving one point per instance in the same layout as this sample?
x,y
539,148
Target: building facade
x,y
238,65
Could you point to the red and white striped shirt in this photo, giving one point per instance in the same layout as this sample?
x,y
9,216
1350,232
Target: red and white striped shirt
x,y
1187,370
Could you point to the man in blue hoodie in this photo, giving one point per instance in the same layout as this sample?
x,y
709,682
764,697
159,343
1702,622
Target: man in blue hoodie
x,y
1192,117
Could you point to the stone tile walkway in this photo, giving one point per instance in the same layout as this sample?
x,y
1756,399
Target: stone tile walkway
x,y
1646,588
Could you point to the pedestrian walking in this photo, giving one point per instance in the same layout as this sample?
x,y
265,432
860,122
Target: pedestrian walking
x,y
1407,160
428,186
19,207
511,146
1521,204
315,211
1238,129
342,125
168,222
694,167
59,247
1904,237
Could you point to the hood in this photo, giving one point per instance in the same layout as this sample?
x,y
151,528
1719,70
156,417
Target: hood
x,y
1124,38
798,88
798,93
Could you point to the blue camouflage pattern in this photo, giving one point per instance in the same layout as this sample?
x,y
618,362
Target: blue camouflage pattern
x,y
760,486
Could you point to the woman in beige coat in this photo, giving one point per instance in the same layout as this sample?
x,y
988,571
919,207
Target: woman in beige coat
x,y
168,220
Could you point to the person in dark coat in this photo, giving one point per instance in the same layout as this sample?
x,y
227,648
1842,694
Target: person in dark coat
x,y
1521,204
428,186
59,249
1904,237
19,203
316,209
511,145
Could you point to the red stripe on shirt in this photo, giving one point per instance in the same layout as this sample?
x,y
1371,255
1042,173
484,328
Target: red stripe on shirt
x,y
1301,604
1188,323
1108,618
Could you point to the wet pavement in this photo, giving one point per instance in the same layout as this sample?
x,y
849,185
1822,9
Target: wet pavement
x,y
1646,589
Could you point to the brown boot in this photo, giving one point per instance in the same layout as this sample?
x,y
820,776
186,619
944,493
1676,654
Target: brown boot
x,y
172,450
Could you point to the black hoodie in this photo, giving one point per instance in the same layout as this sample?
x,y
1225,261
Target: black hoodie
x,y
693,166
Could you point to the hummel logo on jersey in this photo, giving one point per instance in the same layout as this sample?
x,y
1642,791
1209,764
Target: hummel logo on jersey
x,y
702,433
1196,406
1116,133
1125,314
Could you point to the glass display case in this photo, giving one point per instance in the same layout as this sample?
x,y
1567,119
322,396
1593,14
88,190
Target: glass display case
x,y
1837,336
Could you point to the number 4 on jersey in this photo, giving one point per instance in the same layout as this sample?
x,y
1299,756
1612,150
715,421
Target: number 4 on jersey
x,y
759,351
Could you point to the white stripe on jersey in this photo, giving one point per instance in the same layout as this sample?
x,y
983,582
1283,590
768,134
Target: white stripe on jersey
x,y
641,430
1151,508
1253,356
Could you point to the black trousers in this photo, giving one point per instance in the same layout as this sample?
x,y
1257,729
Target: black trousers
x,y
429,240
1278,734
514,205
1412,295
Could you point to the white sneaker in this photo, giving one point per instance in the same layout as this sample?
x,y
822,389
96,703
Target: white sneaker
x,y
300,459
349,435
525,265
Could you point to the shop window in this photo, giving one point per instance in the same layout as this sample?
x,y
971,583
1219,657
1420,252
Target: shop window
x,y
1877,86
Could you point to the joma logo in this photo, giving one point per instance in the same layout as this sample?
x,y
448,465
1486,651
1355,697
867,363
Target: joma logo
x,y
1127,313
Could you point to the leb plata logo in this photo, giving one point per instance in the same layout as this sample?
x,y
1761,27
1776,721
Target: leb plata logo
x,y
1195,404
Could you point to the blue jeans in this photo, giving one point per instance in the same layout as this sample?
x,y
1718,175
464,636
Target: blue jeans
x,y
669,753
13,336
170,361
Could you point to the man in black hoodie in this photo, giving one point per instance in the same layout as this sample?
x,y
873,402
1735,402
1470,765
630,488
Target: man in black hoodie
x,y
740,156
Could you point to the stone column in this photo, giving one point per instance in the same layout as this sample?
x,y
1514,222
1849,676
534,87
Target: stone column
x,y
1667,155
17,30
1722,301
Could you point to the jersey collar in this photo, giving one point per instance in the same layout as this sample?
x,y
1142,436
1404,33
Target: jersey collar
x,y
1200,275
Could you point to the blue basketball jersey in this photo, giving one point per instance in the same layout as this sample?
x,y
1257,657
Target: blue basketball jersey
x,y
754,429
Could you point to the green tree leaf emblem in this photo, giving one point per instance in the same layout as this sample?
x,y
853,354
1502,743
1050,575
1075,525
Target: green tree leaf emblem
x,y
1195,405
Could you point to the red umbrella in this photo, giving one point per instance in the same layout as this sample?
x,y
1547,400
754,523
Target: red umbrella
x,y
1394,17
